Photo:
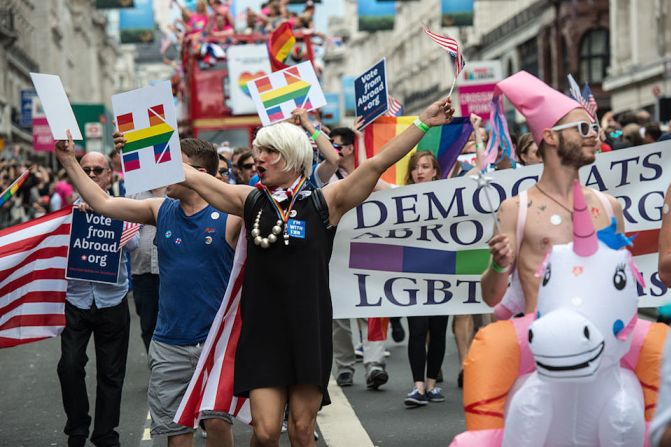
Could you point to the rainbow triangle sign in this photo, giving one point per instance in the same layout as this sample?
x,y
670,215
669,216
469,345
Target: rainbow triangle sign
x,y
278,94
151,157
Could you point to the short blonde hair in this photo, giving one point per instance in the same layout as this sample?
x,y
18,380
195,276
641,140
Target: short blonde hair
x,y
291,142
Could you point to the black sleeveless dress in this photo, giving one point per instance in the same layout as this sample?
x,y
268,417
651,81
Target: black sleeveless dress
x,y
286,304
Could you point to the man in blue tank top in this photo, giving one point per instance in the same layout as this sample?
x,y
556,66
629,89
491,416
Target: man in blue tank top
x,y
195,254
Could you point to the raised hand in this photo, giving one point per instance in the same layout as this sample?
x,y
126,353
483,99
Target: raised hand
x,y
119,141
476,121
438,113
65,150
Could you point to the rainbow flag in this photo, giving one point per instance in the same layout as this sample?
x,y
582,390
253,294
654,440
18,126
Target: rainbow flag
x,y
446,143
280,43
400,259
157,135
11,190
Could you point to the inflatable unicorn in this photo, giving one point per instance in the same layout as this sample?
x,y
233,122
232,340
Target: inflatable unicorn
x,y
579,394
572,375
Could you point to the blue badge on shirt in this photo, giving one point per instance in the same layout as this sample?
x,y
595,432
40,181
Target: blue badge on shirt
x,y
296,228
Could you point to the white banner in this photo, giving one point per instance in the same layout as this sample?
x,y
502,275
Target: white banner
x,y
245,62
420,249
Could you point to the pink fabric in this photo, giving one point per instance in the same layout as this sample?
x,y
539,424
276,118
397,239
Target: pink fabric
x,y
501,312
479,438
521,326
64,190
540,104
197,22
494,438
630,359
585,242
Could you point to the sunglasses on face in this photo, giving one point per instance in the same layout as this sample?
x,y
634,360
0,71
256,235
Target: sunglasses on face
x,y
584,127
337,146
97,170
224,172
247,166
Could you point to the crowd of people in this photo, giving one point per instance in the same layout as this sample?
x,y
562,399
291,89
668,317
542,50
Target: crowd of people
x,y
170,338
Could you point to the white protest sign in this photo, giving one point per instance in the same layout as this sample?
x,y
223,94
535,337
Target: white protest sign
x,y
152,157
56,106
420,249
245,63
280,93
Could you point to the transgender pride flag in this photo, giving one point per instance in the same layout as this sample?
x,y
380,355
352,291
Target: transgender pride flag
x,y
446,143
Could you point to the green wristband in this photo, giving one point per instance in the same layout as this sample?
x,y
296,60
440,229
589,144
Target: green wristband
x,y
421,125
315,135
497,268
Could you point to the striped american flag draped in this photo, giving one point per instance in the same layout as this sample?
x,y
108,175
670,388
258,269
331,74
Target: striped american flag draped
x,y
395,107
451,46
33,257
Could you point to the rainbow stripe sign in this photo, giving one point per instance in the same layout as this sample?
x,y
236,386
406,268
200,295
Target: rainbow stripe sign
x,y
278,94
151,157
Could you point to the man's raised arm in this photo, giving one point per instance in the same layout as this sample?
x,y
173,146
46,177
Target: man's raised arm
x,y
140,211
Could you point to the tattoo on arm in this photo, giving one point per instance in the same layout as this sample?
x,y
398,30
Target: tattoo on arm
x,y
530,203
542,207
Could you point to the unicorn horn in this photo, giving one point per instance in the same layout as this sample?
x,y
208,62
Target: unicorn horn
x,y
585,242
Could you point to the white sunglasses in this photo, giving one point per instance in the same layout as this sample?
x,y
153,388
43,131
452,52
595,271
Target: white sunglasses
x,y
584,127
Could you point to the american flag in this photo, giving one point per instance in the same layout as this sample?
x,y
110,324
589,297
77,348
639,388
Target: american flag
x,y
33,257
395,107
130,229
451,46
211,387
590,103
33,260
584,98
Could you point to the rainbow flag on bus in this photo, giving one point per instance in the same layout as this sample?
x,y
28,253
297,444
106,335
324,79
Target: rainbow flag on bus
x,y
446,143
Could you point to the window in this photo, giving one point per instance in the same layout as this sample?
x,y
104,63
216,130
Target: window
x,y
594,56
529,56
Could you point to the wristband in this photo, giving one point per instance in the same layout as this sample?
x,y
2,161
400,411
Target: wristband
x,y
315,135
421,125
497,268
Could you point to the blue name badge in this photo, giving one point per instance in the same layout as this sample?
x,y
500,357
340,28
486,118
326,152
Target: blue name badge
x,y
296,228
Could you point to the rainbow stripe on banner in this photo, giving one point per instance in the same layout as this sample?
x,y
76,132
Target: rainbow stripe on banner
x,y
157,135
11,190
296,90
400,259
446,143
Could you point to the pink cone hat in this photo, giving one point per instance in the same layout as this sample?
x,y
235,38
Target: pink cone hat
x,y
585,242
540,104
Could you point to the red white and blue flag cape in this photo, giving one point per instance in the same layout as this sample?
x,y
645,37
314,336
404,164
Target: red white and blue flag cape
x,y
211,387
33,260
33,257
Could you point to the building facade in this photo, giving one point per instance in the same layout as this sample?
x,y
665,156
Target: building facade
x,y
548,38
640,70
63,37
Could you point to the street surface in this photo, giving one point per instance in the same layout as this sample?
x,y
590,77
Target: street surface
x,y
32,413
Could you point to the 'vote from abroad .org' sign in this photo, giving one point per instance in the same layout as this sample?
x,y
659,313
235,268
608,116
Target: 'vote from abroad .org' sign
x,y
370,90
94,253
420,249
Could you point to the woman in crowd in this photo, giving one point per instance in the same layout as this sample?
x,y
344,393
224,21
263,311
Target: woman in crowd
x,y
425,363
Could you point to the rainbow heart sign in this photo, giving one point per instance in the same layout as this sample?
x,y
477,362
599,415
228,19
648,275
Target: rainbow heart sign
x,y
245,63
245,77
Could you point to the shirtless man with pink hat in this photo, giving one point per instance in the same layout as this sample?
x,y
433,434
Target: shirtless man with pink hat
x,y
540,217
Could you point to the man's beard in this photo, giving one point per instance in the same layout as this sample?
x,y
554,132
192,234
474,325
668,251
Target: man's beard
x,y
570,153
